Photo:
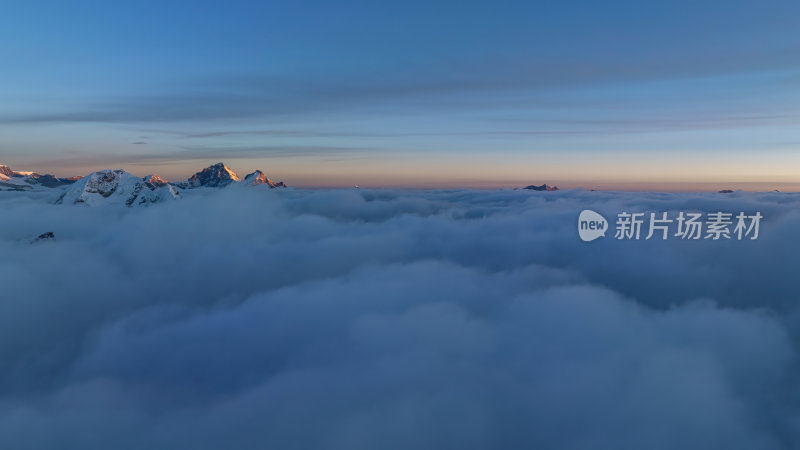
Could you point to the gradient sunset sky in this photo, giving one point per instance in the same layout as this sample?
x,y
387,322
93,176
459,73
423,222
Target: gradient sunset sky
x,y
607,94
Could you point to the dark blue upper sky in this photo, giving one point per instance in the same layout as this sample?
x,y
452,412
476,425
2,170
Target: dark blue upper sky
x,y
615,93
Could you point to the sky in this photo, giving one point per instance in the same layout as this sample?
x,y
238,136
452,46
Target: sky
x,y
677,95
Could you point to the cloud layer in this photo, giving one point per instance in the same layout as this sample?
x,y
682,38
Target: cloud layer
x,y
394,319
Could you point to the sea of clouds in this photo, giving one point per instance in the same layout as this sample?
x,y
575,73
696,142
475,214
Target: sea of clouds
x,y
361,319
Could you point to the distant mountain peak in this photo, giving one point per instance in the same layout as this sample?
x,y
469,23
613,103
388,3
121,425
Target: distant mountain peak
x,y
258,178
543,187
218,175
5,170
21,180
155,180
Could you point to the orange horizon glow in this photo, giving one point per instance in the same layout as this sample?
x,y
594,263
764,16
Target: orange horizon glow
x,y
435,177
630,172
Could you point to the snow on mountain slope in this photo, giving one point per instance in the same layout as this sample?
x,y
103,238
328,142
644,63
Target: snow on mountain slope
x,y
6,171
116,187
219,175
11,180
258,178
13,183
26,180
155,181
48,181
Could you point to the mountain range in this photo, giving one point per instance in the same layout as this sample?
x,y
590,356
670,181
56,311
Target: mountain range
x,y
24,181
120,187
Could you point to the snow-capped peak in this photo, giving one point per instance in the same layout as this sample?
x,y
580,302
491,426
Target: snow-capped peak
x,y
218,175
6,171
119,186
258,178
27,180
255,178
155,180
116,187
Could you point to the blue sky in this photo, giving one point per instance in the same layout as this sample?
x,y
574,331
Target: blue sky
x,y
617,94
